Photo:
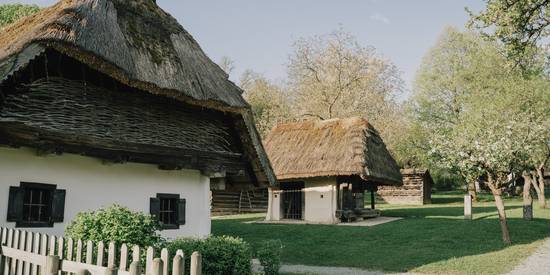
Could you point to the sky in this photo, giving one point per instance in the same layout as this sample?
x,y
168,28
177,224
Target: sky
x,y
258,34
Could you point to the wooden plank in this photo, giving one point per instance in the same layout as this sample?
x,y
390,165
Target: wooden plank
x,y
149,260
135,268
196,263
21,254
111,255
123,257
79,251
135,254
51,250
43,251
21,246
164,257
35,250
60,247
156,267
100,253
89,252
28,248
178,265
70,249
8,262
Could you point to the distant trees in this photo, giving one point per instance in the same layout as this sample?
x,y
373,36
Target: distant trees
x,y
519,24
9,13
270,103
483,116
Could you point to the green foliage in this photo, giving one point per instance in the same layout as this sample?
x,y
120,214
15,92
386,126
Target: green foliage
x,y
220,254
444,180
432,239
518,24
10,13
269,253
116,223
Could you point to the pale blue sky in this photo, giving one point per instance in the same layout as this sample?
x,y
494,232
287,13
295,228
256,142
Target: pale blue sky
x,y
258,34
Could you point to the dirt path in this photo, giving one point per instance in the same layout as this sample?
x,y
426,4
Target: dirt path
x,y
538,263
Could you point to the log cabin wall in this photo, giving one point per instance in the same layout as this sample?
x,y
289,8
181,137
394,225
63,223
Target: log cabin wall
x,y
416,189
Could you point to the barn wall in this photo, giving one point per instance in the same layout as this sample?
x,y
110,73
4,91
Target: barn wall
x,y
416,190
91,184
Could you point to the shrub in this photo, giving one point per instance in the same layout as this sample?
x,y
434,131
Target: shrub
x,y
269,254
220,254
116,223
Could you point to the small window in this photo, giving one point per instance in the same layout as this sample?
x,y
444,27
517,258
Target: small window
x,y
35,205
169,209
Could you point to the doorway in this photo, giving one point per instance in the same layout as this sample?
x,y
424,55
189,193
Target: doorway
x,y
292,200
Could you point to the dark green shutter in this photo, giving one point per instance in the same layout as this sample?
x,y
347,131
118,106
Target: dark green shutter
x,y
154,207
58,205
181,211
15,204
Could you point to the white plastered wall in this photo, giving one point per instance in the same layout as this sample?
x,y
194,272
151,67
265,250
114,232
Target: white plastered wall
x,y
320,201
91,184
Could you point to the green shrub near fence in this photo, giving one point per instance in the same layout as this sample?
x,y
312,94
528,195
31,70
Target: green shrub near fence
x,y
220,254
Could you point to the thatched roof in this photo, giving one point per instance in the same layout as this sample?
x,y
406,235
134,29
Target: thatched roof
x,y
337,147
136,43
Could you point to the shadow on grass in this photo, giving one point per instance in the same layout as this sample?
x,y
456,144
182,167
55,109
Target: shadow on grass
x,y
419,239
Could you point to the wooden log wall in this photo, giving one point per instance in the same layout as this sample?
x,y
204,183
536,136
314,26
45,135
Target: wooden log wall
x,y
416,189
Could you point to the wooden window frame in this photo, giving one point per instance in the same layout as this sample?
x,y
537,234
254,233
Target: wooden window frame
x,y
17,203
167,196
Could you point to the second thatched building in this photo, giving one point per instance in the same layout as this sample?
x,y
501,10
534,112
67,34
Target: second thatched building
x,y
324,169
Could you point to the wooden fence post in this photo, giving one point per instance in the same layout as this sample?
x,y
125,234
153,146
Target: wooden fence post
x,y
467,207
178,265
52,265
196,263
135,268
156,268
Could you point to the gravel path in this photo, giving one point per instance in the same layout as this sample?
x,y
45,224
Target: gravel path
x,y
536,264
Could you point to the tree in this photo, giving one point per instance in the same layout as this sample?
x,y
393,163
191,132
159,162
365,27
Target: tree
x,y
9,13
484,117
332,76
519,24
270,103
227,65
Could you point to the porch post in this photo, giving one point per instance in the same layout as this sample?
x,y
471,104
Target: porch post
x,y
372,197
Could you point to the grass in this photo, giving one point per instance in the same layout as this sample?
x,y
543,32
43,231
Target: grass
x,y
430,239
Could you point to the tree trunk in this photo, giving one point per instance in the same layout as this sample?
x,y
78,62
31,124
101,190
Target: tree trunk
x,y
540,192
527,198
497,194
542,196
472,190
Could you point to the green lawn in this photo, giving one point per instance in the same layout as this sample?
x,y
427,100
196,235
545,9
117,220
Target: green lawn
x,y
430,239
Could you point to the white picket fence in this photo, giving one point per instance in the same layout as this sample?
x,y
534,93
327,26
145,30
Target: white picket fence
x,y
31,253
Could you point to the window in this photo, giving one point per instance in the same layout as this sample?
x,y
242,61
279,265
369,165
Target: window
x,y
169,209
35,205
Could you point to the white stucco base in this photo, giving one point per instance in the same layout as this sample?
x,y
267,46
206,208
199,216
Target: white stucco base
x,y
91,184
320,201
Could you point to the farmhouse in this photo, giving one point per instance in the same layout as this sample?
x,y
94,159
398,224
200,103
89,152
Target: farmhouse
x,y
112,101
416,189
325,167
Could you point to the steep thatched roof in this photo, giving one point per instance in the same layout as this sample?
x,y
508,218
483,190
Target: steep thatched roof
x,y
136,43
337,147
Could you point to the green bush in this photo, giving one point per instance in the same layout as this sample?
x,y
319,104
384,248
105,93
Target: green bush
x,y
116,223
220,254
269,254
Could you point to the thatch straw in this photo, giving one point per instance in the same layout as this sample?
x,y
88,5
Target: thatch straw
x,y
337,147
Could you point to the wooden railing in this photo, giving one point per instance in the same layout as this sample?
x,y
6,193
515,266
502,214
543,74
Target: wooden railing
x,y
28,253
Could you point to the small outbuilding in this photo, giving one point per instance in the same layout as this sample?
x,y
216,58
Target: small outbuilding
x,y
324,169
416,189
